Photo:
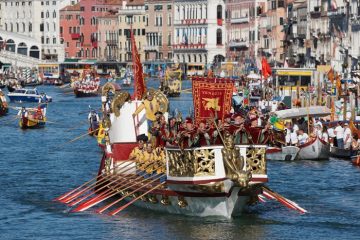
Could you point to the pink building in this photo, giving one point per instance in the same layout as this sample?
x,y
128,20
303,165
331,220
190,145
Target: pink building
x,y
83,43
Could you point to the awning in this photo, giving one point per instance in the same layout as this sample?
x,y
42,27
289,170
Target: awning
x,y
314,111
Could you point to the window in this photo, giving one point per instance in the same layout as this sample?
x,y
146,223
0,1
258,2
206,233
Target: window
x,y
169,20
93,9
54,2
47,40
61,30
54,14
42,14
120,32
219,12
82,9
70,28
281,20
42,40
47,3
218,37
143,32
158,7
47,14
54,40
168,7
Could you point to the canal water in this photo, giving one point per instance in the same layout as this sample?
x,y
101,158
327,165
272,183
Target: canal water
x,y
38,165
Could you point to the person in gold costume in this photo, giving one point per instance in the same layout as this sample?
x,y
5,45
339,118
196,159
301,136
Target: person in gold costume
x,y
149,159
151,106
138,152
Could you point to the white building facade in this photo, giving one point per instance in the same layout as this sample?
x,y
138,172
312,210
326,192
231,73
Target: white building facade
x,y
199,32
36,19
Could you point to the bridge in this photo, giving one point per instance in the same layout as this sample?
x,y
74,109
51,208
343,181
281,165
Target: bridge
x,y
19,50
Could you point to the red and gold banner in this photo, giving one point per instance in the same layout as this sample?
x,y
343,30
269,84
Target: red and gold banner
x,y
212,97
139,83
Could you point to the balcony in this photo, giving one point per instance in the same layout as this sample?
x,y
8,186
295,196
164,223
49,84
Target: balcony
x,y
219,22
238,44
192,21
111,42
268,28
240,20
151,48
95,44
75,36
189,46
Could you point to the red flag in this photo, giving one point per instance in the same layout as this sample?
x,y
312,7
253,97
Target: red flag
x,y
265,68
212,98
139,84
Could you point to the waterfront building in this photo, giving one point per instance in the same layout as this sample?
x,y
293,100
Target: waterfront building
x,y
108,37
131,16
159,33
199,34
81,24
38,20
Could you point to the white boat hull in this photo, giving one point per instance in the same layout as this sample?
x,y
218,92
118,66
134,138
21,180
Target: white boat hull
x,y
288,153
314,150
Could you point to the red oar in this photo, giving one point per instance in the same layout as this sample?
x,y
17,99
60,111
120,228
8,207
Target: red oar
x,y
81,186
102,209
90,187
98,199
116,211
286,202
76,201
109,189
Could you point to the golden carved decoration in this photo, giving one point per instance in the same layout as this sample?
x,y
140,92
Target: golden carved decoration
x,y
234,163
165,200
209,188
182,203
107,166
190,163
118,101
160,98
256,160
109,87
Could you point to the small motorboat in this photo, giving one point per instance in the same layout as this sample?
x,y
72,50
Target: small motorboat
x,y
27,95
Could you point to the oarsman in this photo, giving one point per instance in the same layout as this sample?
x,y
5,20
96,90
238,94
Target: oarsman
x,y
137,153
23,112
156,129
169,133
238,130
186,136
202,137
148,159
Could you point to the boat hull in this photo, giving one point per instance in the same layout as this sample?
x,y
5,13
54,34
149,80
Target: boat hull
x,y
26,123
3,110
288,153
355,160
341,153
315,149
24,98
79,93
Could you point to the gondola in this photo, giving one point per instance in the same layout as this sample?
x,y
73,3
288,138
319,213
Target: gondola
x,y
35,118
341,153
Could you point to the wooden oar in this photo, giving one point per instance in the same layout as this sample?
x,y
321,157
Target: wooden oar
x,y
102,209
93,185
116,211
82,124
84,184
102,197
74,201
118,185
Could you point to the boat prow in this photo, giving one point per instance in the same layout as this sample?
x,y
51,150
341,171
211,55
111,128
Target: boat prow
x,y
315,149
287,153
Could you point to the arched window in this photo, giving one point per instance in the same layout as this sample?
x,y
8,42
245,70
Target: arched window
x,y
47,40
23,27
219,12
30,27
10,45
17,27
22,49
54,14
47,14
54,40
93,54
11,27
194,58
47,27
218,37
87,53
200,58
189,58
6,28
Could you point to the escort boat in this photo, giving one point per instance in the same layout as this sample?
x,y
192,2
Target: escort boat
x,y
26,95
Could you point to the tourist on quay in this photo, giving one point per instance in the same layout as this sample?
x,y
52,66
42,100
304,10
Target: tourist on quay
x,y
339,133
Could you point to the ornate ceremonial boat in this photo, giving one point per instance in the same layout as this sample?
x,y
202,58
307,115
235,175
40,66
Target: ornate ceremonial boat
x,y
288,153
34,119
88,86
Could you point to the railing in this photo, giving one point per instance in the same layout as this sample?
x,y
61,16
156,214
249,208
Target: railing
x,y
75,36
209,163
191,21
189,46
111,42
151,48
240,20
240,44
19,58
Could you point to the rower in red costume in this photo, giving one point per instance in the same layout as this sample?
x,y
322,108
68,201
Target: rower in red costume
x,y
203,136
223,127
238,130
169,133
186,136
156,131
